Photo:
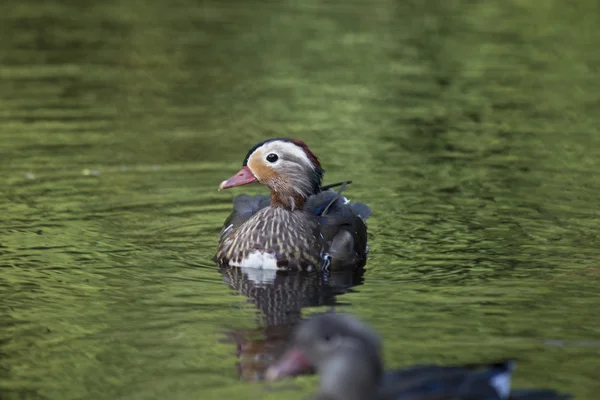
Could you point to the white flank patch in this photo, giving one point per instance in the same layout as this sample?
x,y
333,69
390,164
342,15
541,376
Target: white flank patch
x,y
257,259
259,267
501,383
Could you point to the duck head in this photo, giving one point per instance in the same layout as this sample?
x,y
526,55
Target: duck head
x,y
344,351
287,166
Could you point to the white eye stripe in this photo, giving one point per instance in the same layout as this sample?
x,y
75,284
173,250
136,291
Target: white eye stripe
x,y
280,148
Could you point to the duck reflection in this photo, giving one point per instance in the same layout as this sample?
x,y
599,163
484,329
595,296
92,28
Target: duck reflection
x,y
279,298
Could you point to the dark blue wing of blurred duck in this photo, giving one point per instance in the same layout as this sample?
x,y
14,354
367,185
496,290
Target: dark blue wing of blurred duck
x,y
342,223
431,382
538,394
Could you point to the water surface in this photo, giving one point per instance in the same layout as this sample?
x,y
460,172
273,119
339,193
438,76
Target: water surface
x,y
470,128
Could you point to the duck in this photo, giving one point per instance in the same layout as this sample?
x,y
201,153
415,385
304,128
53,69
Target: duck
x,y
302,225
346,354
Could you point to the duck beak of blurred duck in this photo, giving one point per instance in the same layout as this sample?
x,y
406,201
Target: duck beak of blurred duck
x,y
291,364
243,177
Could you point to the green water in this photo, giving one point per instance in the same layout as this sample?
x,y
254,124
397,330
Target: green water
x,y
470,127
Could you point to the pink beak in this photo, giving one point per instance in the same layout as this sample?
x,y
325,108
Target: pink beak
x,y
244,177
291,364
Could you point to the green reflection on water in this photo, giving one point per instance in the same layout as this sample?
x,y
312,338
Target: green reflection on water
x,y
471,129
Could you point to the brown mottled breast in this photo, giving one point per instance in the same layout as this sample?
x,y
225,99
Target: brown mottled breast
x,y
293,237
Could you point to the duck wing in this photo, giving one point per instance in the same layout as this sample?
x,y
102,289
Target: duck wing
x,y
538,394
432,382
343,225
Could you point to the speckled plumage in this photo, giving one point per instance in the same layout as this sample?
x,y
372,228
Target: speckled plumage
x,y
292,236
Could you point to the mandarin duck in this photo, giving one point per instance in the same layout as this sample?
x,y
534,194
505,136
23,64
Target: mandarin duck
x,y
302,225
347,356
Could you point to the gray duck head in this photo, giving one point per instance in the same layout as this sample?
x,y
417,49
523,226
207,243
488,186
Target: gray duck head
x,y
345,352
287,166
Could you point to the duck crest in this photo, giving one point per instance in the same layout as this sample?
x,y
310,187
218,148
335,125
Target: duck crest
x,y
317,176
313,158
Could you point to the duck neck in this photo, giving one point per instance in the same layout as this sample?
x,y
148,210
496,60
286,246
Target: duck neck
x,y
291,190
351,376
290,201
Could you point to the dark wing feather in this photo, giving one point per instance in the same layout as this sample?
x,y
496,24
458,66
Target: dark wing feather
x,y
433,382
342,225
361,209
538,394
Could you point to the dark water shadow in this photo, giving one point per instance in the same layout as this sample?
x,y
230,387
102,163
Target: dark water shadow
x,y
279,297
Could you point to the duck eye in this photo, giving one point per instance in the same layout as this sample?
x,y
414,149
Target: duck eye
x,y
329,342
272,157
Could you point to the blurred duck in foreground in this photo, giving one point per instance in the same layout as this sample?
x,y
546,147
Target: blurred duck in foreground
x,y
302,225
347,356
